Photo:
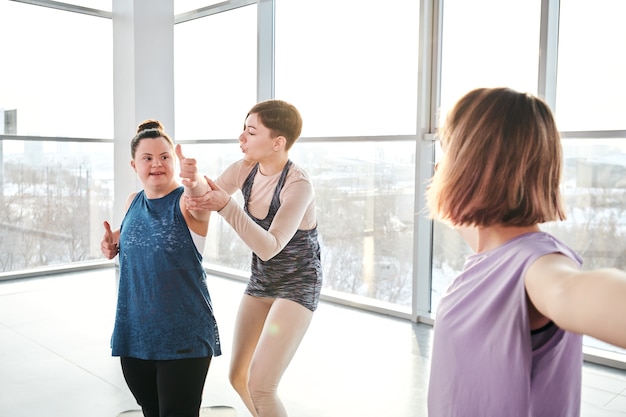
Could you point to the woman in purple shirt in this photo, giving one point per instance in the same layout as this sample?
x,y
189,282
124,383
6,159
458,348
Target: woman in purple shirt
x,y
508,332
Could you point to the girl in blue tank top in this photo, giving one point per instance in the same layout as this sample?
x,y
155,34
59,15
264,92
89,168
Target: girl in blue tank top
x,y
165,331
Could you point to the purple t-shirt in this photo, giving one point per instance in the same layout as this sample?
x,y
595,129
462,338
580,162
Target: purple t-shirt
x,y
483,361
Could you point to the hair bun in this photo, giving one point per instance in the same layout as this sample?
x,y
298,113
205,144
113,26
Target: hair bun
x,y
149,124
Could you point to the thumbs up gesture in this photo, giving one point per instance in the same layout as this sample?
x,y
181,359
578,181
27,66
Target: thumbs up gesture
x,y
110,242
188,168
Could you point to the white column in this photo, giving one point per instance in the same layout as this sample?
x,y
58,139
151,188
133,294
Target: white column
x,y
143,82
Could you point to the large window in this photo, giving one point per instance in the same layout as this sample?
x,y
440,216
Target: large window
x,y
591,87
56,71
350,66
53,198
215,74
357,82
55,192
489,43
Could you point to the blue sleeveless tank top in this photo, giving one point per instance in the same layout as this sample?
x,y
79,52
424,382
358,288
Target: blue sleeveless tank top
x,y
164,310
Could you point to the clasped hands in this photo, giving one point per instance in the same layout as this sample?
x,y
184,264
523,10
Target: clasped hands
x,y
214,199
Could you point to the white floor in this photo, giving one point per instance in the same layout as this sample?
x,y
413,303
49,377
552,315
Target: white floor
x,y
55,358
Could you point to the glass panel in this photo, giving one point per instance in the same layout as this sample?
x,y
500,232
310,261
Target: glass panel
x,y
53,199
365,199
352,71
594,189
182,6
105,5
591,84
57,71
489,43
215,74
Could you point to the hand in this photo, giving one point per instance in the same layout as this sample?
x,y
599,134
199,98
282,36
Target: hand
x,y
188,168
109,245
214,200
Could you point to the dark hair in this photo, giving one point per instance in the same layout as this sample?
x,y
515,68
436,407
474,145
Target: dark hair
x,y
501,162
149,124
148,129
281,118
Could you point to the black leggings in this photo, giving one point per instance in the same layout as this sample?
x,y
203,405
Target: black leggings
x,y
167,388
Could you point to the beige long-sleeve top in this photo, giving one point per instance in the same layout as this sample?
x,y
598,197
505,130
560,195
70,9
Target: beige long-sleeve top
x,y
297,209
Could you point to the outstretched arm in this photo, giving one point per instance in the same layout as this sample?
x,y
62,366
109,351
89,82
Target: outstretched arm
x,y
585,302
268,243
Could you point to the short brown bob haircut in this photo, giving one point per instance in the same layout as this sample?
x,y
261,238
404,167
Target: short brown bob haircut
x,y
281,118
501,162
